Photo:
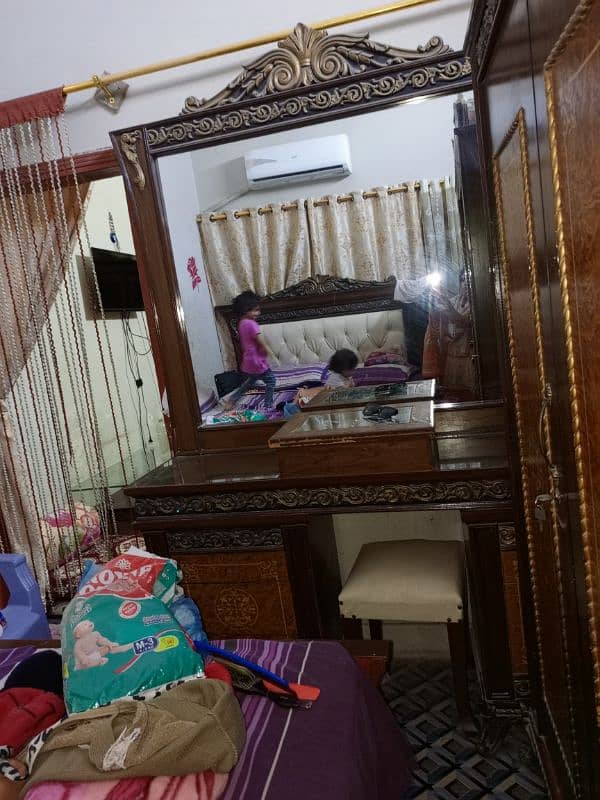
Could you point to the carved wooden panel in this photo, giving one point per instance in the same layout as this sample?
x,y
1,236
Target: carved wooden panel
x,y
216,539
514,616
459,492
572,80
241,594
512,598
520,283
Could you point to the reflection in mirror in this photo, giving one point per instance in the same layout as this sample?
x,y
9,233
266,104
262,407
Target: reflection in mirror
x,y
372,201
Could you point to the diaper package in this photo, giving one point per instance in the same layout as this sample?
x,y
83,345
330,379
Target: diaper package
x,y
119,638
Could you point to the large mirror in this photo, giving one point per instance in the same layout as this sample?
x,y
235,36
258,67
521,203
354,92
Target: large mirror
x,y
351,236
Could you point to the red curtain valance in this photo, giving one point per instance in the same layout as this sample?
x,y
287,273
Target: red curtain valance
x,y
33,106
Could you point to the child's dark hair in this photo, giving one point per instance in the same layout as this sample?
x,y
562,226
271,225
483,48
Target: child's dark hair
x,y
245,302
343,361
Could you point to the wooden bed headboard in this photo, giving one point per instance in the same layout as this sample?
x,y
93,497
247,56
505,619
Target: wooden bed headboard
x,y
326,296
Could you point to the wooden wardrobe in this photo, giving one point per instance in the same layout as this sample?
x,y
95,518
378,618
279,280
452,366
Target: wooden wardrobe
x,y
536,66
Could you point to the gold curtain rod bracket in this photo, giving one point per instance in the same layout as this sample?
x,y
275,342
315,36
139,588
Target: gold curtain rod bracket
x,y
247,44
99,84
221,216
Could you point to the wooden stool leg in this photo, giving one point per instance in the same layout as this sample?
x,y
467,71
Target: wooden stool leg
x,y
352,628
376,629
457,640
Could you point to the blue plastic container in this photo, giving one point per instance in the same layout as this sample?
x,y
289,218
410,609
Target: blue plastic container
x,y
23,616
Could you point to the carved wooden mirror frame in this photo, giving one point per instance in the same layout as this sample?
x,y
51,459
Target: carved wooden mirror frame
x,y
311,77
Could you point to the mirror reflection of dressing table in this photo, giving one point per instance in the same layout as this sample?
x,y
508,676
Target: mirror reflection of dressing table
x,y
251,528
359,396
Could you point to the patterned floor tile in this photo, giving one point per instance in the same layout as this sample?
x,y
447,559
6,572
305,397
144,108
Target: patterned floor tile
x,y
485,770
449,764
427,727
431,767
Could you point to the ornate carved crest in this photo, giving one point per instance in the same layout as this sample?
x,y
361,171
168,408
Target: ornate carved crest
x,y
309,57
324,284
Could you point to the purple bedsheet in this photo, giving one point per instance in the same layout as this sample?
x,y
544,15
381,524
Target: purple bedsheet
x,y
346,747
255,401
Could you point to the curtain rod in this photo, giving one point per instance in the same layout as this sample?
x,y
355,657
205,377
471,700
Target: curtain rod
x,y
247,44
221,216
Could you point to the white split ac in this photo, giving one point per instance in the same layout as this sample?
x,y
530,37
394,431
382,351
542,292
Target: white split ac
x,y
298,162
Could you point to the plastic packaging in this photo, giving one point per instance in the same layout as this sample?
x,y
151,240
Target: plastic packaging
x,y
187,614
118,636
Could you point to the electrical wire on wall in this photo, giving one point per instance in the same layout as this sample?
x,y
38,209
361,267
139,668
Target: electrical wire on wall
x,y
132,364
133,341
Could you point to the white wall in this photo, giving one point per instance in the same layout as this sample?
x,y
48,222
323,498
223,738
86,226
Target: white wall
x,y
71,41
181,204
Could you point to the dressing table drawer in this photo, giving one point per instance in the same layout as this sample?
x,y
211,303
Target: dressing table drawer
x,y
241,593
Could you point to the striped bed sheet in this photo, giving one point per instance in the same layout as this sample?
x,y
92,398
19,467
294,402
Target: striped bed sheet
x,y
289,379
346,747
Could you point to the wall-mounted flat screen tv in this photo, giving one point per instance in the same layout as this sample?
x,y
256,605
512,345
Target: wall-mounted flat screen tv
x,y
118,280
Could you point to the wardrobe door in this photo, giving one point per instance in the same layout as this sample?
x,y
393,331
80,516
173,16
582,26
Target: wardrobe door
x,y
572,81
548,537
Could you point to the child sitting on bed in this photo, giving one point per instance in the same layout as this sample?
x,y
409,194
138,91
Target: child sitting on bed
x,y
340,368
255,353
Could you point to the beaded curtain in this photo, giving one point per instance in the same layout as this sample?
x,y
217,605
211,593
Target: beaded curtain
x,y
47,406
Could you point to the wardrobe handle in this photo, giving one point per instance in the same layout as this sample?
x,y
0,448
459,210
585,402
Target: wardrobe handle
x,y
555,493
546,403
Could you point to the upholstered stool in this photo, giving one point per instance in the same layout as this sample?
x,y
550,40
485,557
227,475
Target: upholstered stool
x,y
412,581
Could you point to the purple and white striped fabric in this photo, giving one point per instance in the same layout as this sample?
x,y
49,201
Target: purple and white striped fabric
x,y
346,746
293,377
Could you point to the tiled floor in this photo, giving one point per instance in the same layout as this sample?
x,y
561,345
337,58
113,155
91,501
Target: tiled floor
x,y
449,764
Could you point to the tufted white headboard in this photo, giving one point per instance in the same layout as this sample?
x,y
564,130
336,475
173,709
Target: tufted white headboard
x,y
309,341
307,322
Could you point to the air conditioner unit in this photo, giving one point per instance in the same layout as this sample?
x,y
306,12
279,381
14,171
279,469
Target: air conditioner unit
x,y
298,162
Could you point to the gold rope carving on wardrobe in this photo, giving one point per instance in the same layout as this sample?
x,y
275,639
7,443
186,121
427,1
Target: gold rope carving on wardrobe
x,y
580,15
324,201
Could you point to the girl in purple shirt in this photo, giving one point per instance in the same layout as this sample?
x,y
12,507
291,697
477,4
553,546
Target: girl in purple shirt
x,y
255,354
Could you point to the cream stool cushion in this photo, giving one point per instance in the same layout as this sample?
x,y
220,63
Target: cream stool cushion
x,y
406,581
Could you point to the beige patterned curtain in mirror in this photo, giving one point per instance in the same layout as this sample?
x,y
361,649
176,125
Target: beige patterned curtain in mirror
x,y
264,250
260,249
368,235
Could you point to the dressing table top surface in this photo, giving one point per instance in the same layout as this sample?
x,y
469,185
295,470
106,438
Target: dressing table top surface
x,y
472,438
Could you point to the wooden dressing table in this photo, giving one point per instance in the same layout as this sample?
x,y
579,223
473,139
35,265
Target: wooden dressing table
x,y
258,551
